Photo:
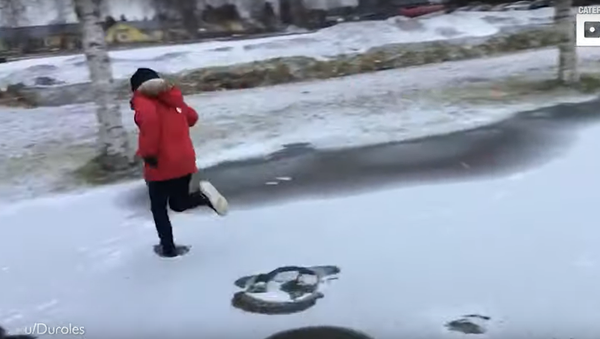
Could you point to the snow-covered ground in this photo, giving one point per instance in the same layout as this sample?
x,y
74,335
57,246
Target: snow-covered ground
x,y
339,39
521,249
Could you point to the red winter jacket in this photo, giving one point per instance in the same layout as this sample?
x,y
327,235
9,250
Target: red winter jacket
x,y
164,120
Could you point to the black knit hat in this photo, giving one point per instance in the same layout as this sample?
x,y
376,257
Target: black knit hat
x,y
140,76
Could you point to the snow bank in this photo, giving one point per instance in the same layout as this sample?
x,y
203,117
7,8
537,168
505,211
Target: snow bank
x,y
509,249
340,39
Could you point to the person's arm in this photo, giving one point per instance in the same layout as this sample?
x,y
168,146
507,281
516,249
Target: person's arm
x,y
191,115
146,118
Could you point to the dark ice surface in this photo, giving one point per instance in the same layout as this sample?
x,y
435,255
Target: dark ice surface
x,y
525,140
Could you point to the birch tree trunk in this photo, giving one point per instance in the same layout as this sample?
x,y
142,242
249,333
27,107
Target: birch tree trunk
x,y
564,21
113,143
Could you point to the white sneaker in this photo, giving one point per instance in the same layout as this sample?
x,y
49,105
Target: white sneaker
x,y
216,199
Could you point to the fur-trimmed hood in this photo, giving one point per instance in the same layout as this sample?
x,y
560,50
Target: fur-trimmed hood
x,y
154,87
158,90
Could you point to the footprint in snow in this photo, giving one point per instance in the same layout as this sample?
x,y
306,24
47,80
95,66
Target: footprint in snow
x,y
286,290
469,324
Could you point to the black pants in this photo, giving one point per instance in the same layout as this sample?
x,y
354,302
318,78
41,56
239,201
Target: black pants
x,y
175,194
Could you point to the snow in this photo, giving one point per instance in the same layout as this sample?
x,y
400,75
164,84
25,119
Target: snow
x,y
411,259
274,296
272,290
343,38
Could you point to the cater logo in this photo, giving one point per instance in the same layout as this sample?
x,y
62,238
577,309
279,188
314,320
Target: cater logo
x,y
588,26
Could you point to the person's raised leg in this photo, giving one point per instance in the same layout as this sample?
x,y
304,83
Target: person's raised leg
x,y
182,200
180,197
